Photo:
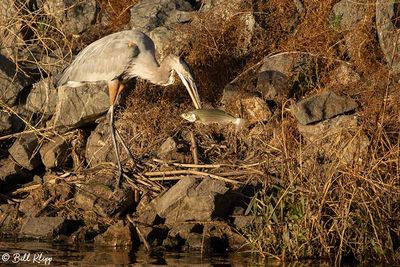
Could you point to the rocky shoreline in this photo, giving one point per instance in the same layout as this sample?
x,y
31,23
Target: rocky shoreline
x,y
196,187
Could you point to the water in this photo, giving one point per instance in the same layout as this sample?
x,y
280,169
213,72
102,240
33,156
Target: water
x,y
34,253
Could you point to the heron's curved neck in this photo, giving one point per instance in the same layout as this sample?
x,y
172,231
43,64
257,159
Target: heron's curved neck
x,y
164,74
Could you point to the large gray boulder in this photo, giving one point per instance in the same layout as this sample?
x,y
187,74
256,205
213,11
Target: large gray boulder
x,y
78,106
55,152
149,15
25,152
5,123
193,200
11,173
43,227
340,138
43,97
11,82
10,28
117,235
388,31
99,147
345,18
159,19
321,107
281,75
73,16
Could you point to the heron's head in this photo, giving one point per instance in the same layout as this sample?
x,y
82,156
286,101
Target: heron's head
x,y
183,70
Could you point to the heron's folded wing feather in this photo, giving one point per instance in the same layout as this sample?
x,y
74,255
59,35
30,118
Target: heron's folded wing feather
x,y
102,60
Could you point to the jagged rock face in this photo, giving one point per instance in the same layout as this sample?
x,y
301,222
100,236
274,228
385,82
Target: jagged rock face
x,y
73,16
11,173
11,82
5,123
337,136
79,106
117,235
25,152
388,32
280,76
10,33
54,152
43,227
322,107
43,97
159,18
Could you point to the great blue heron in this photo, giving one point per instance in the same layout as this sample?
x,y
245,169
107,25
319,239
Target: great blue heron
x,y
117,58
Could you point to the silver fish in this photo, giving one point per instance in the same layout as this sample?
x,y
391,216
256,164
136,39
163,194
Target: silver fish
x,y
208,116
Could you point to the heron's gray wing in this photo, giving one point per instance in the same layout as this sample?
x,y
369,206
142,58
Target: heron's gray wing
x,y
102,60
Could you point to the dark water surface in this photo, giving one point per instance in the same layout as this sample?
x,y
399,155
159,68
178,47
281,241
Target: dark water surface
x,y
32,253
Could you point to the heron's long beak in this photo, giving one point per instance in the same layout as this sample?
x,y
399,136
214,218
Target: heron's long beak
x,y
190,85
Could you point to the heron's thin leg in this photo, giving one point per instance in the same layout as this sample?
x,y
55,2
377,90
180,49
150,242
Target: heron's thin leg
x,y
114,141
113,87
124,145
121,87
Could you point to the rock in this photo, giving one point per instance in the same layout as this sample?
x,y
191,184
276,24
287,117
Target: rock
x,y
226,13
245,105
168,148
282,75
11,173
159,20
43,227
148,16
346,17
170,199
43,97
229,238
97,196
346,14
78,149
117,235
146,212
99,147
31,205
387,27
345,75
21,114
254,109
10,31
321,107
181,230
25,152
242,221
11,82
61,190
72,15
273,85
203,201
198,242
8,219
54,152
5,123
78,106
338,138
